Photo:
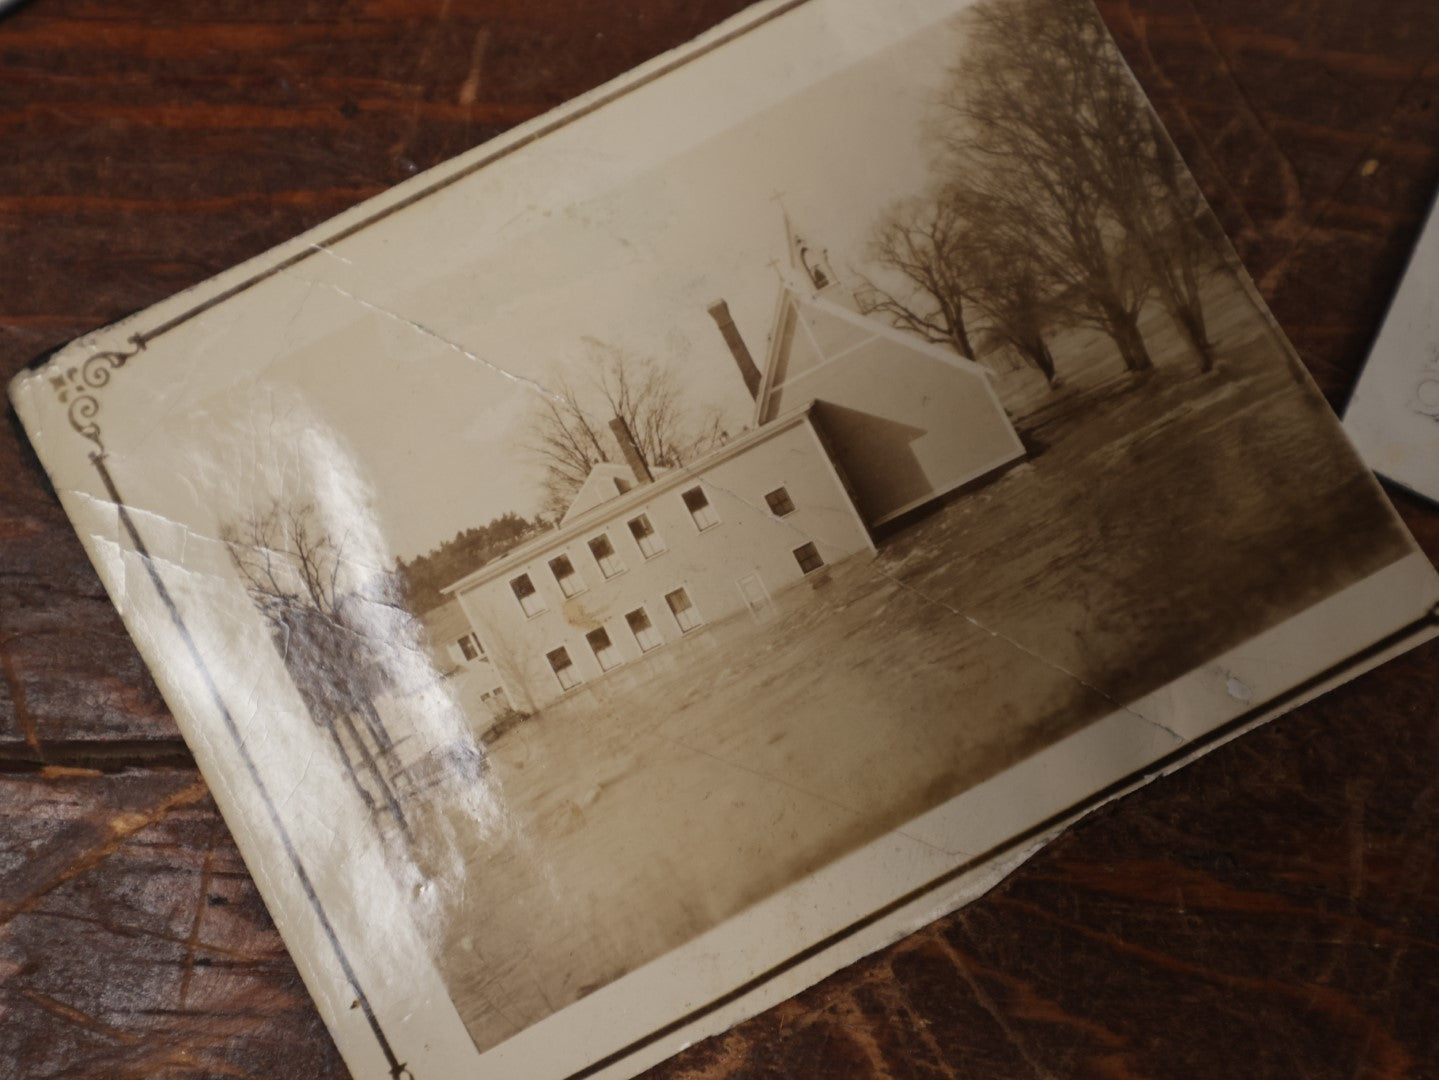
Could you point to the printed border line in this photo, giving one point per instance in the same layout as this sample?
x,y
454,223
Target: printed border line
x,y
569,116
77,389
559,117
398,1069
1193,748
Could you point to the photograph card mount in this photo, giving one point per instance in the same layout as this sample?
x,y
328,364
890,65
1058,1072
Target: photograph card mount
x,y
662,580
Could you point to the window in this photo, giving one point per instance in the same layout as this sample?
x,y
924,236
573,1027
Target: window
x,y
471,649
563,667
698,504
684,611
531,602
779,502
807,555
565,576
496,701
646,636
622,486
645,536
604,553
603,648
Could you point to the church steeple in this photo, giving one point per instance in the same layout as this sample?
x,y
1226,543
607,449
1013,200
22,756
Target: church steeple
x,y
808,260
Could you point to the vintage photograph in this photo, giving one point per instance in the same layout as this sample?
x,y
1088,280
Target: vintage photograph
x,y
1393,415
712,516
862,451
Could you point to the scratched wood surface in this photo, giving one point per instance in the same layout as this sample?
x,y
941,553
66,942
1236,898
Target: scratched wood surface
x,y
1273,910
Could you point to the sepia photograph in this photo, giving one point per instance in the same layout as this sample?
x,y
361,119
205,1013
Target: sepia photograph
x,y
624,536
1393,415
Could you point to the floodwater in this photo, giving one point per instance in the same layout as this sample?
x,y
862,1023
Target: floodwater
x,y
1159,521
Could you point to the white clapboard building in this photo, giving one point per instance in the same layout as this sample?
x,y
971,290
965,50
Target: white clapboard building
x,y
855,424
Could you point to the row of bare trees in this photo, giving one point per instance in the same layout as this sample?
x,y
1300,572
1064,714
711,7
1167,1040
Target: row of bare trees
x,y
1058,200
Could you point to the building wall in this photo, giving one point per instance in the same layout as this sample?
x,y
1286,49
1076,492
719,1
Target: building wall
x,y
748,543
905,425
441,629
472,679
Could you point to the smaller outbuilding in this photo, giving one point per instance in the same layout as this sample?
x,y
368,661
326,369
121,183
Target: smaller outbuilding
x,y
907,421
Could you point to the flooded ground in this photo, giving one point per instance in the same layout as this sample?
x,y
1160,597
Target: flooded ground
x,y
1159,520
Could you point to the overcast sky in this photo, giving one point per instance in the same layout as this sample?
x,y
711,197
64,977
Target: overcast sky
x,y
415,349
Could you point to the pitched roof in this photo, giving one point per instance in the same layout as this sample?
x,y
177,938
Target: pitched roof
x,y
445,622
606,481
665,480
816,309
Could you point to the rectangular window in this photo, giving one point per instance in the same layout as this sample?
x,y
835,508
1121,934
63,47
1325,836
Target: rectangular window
x,y
684,612
622,486
496,701
471,648
531,602
563,667
645,536
646,636
604,553
603,648
565,576
779,502
807,555
698,504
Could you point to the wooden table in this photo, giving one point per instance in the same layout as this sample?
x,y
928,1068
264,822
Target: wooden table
x,y
1271,911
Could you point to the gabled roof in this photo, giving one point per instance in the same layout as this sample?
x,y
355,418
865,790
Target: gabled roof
x,y
606,481
445,622
794,292
596,516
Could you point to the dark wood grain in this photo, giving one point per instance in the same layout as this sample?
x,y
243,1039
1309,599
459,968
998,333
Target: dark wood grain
x,y
134,942
1273,910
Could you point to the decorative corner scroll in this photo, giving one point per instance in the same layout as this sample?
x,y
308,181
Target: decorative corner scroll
x,y
75,387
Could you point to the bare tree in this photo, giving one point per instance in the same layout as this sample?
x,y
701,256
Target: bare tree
x,y
1018,308
323,621
923,242
566,441
1045,128
1180,238
974,277
1033,120
569,432
1057,198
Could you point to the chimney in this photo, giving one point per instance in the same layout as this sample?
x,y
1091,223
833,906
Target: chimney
x,y
633,458
719,311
